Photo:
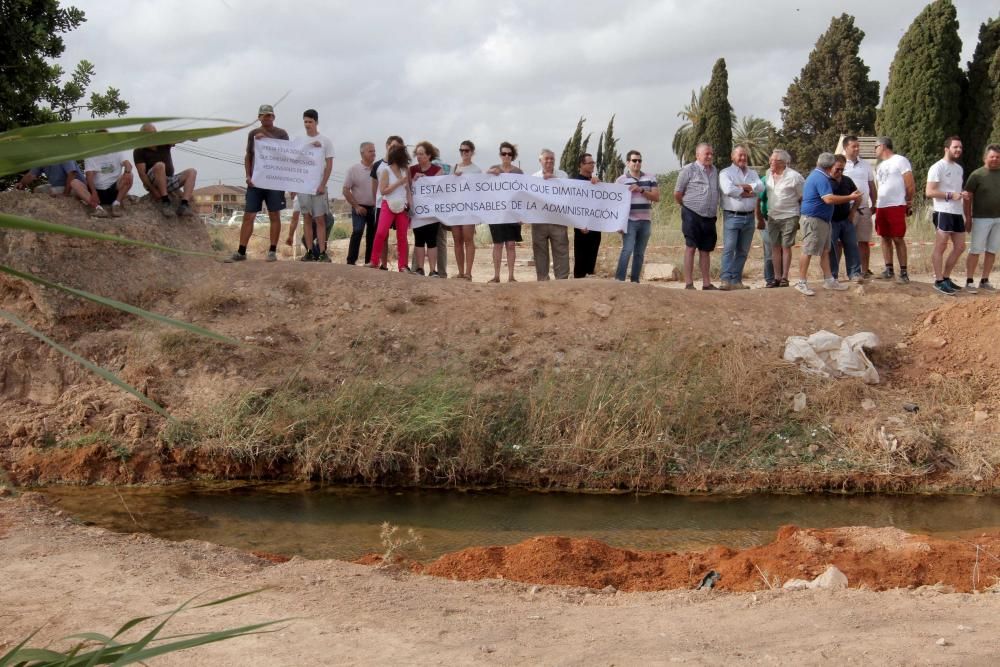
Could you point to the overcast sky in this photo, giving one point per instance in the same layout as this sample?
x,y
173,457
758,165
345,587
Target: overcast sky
x,y
448,70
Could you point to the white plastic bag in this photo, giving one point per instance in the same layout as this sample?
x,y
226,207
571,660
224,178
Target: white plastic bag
x,y
830,355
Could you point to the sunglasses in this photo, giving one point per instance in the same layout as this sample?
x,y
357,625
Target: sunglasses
x,y
464,150
639,160
506,155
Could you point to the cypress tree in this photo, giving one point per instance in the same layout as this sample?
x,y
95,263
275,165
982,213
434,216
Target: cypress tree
x,y
982,96
922,98
831,96
575,147
995,80
715,122
609,160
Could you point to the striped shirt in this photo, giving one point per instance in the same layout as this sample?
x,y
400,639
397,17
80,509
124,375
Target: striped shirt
x,y
700,188
641,208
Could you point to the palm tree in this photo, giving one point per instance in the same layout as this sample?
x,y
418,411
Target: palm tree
x,y
757,136
684,139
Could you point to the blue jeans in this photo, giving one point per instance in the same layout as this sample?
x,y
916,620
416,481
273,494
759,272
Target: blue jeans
x,y
737,235
768,264
844,232
634,246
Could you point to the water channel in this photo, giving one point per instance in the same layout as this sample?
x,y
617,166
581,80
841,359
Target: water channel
x,y
344,523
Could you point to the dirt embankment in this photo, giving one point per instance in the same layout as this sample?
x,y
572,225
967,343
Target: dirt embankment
x,y
350,374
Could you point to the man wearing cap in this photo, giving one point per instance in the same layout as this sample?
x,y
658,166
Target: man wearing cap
x,y
895,196
257,197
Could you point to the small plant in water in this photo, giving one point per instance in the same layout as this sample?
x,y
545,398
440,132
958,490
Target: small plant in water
x,y
395,544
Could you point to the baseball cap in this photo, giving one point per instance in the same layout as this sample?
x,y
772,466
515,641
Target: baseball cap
x,y
265,109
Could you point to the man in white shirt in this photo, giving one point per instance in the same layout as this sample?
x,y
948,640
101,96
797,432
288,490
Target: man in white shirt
x,y
784,196
740,186
315,206
109,178
944,188
859,171
545,235
895,196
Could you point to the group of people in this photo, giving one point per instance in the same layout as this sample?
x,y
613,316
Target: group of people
x,y
379,194
833,208
106,180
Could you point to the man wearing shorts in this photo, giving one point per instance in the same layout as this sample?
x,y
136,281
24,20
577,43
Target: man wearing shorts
x,y
784,197
983,209
859,171
697,193
818,201
895,195
944,187
257,197
156,171
315,206
62,180
109,178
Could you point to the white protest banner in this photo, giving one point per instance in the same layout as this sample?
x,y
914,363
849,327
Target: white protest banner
x,y
484,199
292,166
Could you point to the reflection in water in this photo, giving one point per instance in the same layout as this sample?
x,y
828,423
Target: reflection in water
x,y
344,523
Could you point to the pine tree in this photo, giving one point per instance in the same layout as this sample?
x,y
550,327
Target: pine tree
x,y
921,105
831,95
982,96
575,147
609,160
715,122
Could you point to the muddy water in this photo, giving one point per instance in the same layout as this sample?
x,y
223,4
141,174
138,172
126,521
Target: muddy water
x,y
345,523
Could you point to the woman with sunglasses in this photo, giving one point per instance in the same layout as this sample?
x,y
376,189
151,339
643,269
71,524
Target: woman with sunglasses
x,y
425,238
507,234
394,184
465,235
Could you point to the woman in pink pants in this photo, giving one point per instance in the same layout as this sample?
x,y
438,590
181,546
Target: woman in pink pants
x,y
393,183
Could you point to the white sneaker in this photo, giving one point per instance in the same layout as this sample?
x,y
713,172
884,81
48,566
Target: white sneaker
x,y
116,210
802,287
834,284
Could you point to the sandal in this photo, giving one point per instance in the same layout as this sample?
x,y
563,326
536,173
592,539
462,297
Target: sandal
x,y
493,280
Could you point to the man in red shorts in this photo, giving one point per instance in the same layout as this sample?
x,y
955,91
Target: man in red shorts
x,y
894,178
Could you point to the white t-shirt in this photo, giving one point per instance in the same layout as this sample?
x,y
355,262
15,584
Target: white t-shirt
x,y
889,179
784,193
397,195
861,173
558,173
471,169
948,176
107,168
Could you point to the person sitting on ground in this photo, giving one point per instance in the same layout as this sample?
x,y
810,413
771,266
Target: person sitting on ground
x,y
156,171
63,179
109,178
394,184
426,241
505,235
465,235
982,210
818,201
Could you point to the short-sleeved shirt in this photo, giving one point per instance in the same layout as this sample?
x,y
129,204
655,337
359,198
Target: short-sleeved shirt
x,y
891,186
57,174
640,208
817,185
557,173
984,184
358,182
273,133
948,176
700,188
861,173
784,192
472,168
106,168
151,155
433,170
844,186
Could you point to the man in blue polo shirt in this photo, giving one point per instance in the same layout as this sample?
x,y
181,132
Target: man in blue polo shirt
x,y
818,201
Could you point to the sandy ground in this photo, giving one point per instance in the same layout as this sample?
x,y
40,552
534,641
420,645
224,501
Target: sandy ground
x,y
65,578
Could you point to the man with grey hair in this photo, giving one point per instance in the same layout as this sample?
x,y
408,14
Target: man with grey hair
x,y
818,201
545,235
156,171
697,193
740,186
358,193
783,190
